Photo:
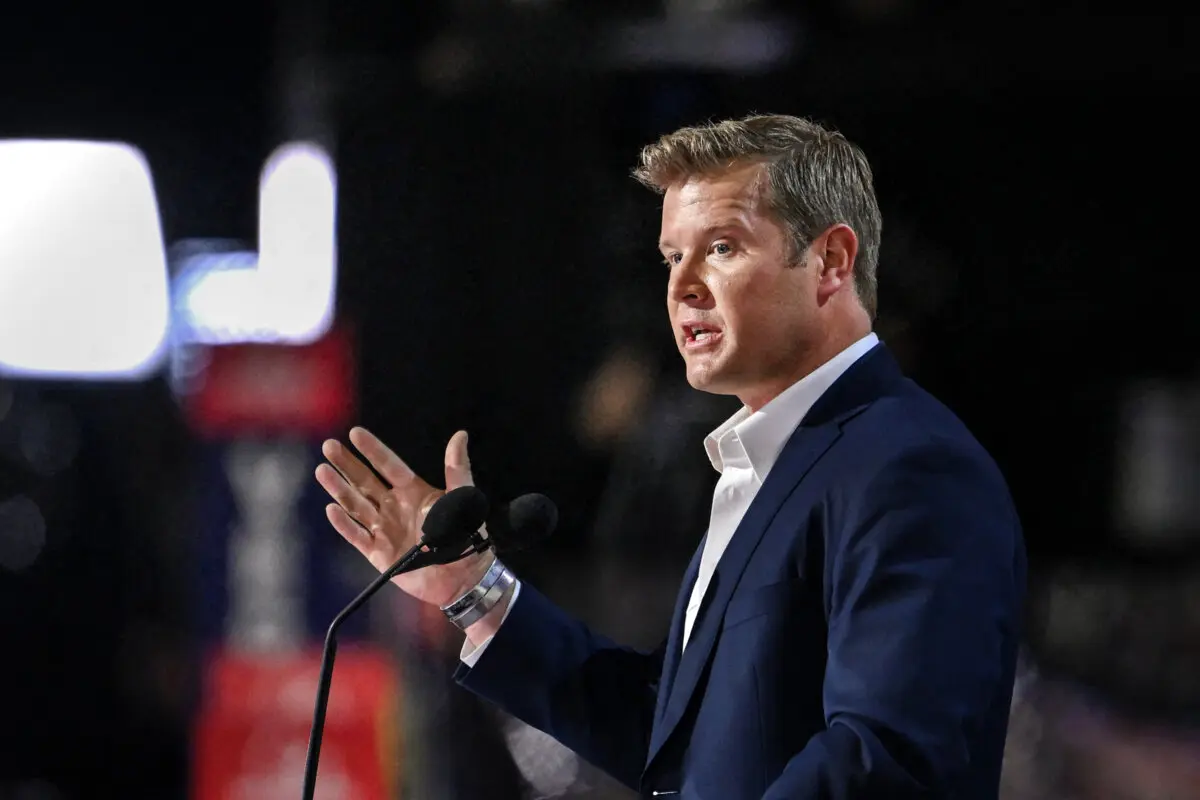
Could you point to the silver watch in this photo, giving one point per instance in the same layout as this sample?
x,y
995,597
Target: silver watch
x,y
482,598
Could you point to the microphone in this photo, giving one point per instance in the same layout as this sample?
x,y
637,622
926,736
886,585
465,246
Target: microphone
x,y
525,521
451,525
511,527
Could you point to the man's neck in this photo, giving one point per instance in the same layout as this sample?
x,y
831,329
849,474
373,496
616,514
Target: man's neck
x,y
826,351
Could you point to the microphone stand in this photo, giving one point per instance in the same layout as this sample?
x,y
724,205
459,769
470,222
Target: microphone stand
x,y
412,560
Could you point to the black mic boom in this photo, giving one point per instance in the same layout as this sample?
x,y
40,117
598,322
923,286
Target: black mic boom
x,y
449,527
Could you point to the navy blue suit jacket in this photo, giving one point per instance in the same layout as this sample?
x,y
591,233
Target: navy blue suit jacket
x,y
858,639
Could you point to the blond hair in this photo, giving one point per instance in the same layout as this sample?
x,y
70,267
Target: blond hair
x,y
814,178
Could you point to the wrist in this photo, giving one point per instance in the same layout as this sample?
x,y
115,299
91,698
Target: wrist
x,y
479,632
481,598
472,570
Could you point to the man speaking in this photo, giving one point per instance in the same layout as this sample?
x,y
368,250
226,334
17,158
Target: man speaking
x,y
848,626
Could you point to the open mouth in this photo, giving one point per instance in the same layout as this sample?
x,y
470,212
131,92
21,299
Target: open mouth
x,y
700,334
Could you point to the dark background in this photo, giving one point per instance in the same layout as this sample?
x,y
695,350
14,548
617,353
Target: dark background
x,y
1035,171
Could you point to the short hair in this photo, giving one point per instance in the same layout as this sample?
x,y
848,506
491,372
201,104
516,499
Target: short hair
x,y
814,178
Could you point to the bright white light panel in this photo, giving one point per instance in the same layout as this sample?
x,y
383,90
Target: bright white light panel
x,y
284,293
83,277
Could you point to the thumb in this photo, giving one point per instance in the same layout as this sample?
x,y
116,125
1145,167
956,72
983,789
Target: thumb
x,y
458,463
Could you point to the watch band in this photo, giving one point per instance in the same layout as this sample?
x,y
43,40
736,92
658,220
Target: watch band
x,y
475,593
482,598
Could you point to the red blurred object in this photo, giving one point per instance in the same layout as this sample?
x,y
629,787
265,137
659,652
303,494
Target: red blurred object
x,y
252,733
256,389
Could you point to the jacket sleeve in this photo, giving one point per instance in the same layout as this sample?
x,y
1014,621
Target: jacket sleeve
x,y
549,670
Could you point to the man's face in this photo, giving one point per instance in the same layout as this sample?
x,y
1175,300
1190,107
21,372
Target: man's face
x,y
742,312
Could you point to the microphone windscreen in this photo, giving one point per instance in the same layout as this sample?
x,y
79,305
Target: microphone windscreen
x,y
454,518
523,522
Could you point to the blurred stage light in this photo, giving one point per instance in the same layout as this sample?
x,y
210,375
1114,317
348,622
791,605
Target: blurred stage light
x,y
83,279
216,292
718,35
22,533
1156,503
297,246
48,438
284,292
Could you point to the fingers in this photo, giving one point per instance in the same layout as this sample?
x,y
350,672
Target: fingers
x,y
458,463
349,497
381,457
356,473
350,530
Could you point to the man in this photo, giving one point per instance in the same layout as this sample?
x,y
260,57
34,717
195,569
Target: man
x,y
848,627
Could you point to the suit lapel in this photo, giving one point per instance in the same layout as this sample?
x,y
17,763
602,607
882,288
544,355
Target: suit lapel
x,y
675,637
798,456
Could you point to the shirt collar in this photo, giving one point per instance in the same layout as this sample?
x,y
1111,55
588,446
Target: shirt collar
x,y
760,435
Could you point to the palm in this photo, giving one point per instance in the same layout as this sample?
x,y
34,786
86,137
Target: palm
x,y
385,522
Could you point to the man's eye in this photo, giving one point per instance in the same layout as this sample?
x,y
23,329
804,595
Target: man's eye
x,y
722,248
672,259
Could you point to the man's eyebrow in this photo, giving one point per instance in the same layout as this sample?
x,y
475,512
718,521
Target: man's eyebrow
x,y
707,230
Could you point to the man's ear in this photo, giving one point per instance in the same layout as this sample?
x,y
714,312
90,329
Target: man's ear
x,y
836,250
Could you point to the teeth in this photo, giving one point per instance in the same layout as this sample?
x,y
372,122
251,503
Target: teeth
x,y
701,336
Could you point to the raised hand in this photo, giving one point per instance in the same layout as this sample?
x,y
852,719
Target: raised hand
x,y
383,521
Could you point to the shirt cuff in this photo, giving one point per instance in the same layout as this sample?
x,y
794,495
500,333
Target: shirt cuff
x,y
471,653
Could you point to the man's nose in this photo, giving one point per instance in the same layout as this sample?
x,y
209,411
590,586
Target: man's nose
x,y
687,284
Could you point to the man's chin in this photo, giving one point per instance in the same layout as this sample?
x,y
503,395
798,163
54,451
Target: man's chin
x,y
709,381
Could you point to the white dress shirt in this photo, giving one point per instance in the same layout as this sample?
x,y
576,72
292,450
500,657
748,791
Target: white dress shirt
x,y
743,449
